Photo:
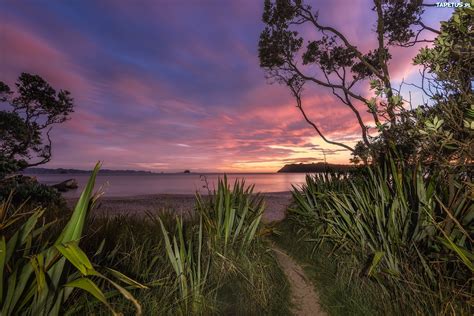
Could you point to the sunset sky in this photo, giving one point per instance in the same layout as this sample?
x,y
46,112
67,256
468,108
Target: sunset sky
x,y
171,85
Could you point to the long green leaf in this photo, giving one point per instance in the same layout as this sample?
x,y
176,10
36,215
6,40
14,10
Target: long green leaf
x,y
375,262
3,255
75,225
90,287
77,257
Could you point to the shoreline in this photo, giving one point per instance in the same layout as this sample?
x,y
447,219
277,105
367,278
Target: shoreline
x,y
144,196
276,204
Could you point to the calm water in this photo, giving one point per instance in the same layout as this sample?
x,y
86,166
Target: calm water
x,y
130,185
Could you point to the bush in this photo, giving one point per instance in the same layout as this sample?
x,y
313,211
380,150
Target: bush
x,y
28,189
406,231
231,216
40,272
215,262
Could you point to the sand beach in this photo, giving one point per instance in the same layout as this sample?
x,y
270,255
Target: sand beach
x,y
276,204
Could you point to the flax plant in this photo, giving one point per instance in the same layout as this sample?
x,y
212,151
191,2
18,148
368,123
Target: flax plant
x,y
404,229
38,277
187,262
231,217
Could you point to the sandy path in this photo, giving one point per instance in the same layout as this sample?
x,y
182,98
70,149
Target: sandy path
x,y
303,297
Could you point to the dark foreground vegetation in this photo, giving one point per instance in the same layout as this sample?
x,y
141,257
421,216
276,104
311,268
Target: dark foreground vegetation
x,y
214,262
316,167
383,240
393,241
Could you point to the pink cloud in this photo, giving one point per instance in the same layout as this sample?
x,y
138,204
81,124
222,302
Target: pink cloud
x,y
202,101
23,51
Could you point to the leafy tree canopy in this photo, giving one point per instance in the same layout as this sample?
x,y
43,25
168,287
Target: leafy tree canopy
x,y
446,123
26,119
295,57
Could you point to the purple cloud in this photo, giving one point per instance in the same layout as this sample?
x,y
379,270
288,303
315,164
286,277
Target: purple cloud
x,y
167,85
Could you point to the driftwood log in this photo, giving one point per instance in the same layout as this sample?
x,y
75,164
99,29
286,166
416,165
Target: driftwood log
x,y
67,185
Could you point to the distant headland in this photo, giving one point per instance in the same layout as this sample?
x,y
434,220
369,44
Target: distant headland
x,y
315,167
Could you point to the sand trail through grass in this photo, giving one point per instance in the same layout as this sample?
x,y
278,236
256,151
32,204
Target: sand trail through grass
x,y
304,299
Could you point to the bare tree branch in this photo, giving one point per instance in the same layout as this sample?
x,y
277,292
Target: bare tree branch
x,y
296,91
325,84
416,40
47,152
346,100
311,18
424,26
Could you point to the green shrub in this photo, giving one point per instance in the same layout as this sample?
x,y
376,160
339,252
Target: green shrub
x,y
187,263
38,275
26,189
190,267
231,217
402,227
135,246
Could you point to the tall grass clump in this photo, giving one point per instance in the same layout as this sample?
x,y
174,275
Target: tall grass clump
x,y
244,274
135,246
402,230
40,274
231,216
308,212
190,270
203,264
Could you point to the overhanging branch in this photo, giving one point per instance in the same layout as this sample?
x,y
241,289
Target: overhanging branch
x,y
297,94
312,19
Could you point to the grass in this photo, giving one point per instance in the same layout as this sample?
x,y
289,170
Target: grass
x,y
395,241
232,216
256,277
38,272
392,242
340,290
237,283
215,261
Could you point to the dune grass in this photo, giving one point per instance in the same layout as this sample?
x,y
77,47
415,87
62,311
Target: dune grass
x,y
39,271
215,261
184,274
395,241
340,291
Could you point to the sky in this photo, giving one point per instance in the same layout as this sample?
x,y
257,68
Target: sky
x,y
171,85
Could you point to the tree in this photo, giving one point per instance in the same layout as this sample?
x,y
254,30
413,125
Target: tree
x,y
446,124
330,60
26,124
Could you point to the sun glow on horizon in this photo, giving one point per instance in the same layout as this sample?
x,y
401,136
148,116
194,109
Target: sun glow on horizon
x,y
163,100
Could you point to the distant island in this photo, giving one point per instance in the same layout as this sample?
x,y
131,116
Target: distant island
x,y
315,167
78,171
301,167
